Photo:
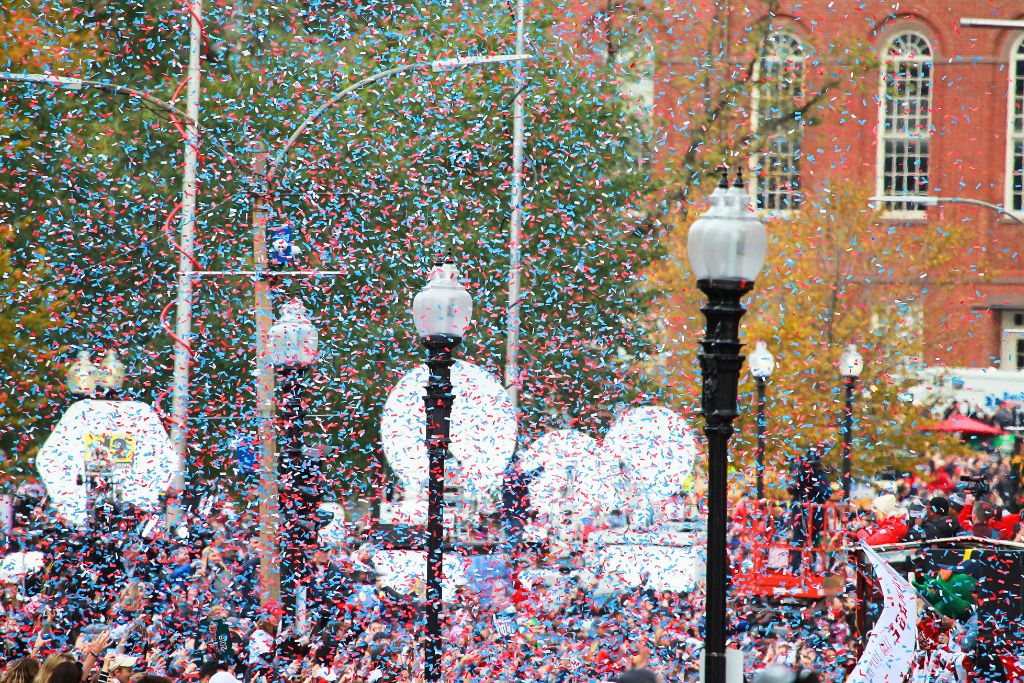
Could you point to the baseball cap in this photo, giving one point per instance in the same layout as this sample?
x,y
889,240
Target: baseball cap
x,y
637,676
223,677
120,661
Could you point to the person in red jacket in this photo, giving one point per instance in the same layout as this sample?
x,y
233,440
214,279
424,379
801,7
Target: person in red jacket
x,y
963,506
889,524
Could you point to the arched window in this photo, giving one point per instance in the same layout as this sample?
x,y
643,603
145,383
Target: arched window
x,y
781,81
1015,132
905,120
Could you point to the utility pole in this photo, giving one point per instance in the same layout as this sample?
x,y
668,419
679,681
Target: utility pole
x,y
183,324
516,219
268,494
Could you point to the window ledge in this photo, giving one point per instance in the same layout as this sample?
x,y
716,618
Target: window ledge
x,y
905,216
778,214
890,219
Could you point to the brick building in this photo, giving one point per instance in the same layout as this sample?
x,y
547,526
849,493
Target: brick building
x,y
937,110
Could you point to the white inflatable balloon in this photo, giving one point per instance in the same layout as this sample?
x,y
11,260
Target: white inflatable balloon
x,y
566,475
125,438
657,448
405,571
483,431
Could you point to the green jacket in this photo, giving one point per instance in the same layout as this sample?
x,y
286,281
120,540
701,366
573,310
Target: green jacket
x,y
953,597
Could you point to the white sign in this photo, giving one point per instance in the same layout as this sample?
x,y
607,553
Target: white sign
x,y
657,449
483,431
122,442
567,475
889,655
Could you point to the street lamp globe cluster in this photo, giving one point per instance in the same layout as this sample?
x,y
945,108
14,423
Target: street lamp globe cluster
x,y
105,380
294,345
443,309
727,247
294,342
442,312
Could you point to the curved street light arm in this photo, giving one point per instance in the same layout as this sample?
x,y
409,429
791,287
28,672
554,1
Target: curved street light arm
x,y
314,116
977,202
934,200
66,83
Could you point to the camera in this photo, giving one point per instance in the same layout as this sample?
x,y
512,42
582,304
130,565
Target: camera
x,y
976,486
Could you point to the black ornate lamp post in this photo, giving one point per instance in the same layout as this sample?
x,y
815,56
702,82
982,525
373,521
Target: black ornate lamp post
x,y
293,349
850,365
761,363
727,246
442,311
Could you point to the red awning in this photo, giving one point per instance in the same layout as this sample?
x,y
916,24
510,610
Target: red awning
x,y
964,425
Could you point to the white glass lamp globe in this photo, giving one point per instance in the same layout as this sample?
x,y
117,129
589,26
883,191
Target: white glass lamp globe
x,y
110,374
727,242
293,339
82,375
443,306
761,361
851,363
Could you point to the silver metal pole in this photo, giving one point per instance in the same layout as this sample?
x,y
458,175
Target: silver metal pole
x,y
183,323
516,220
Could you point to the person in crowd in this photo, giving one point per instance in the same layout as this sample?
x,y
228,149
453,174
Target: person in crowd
x,y
950,591
889,525
917,513
59,668
121,667
638,676
939,523
23,670
809,491
981,516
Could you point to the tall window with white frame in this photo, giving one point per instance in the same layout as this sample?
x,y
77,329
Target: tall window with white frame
x,y
1012,343
1015,133
781,83
905,121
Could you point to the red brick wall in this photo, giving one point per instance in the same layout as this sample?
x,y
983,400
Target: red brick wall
x,y
968,144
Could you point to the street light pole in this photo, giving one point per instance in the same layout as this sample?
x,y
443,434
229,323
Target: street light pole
x,y
439,399
850,365
516,219
183,319
726,247
442,311
761,363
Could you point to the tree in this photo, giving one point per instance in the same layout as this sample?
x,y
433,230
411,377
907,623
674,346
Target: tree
x,y
833,277
29,305
32,298
371,193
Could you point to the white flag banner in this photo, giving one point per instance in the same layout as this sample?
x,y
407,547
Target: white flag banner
x,y
889,654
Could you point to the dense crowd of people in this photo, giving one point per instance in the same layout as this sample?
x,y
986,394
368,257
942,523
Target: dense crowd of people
x,y
124,600
114,602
